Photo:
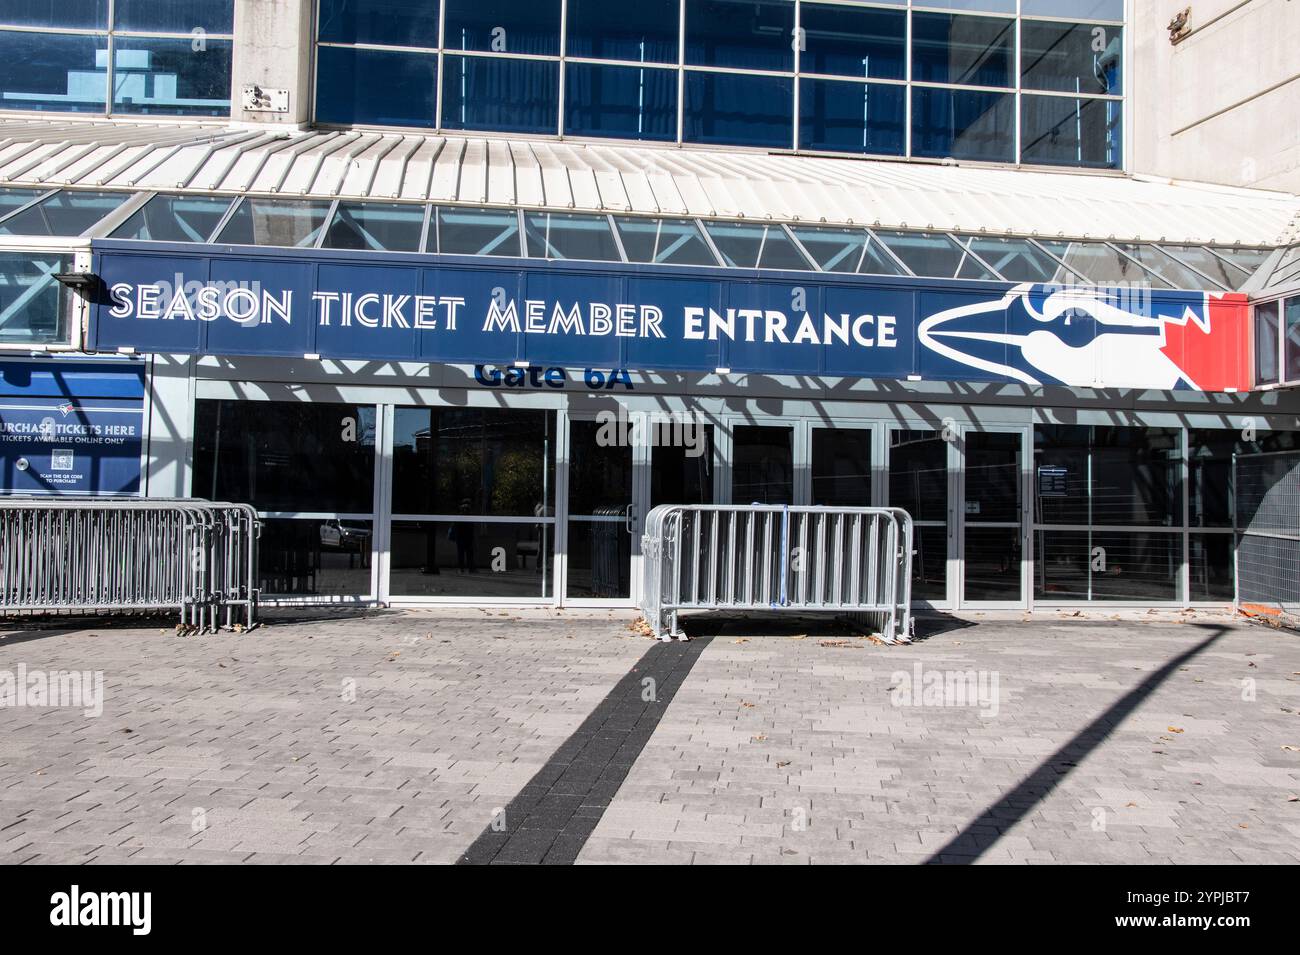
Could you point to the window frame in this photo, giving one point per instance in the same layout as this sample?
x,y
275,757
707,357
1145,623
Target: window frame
x,y
110,35
796,76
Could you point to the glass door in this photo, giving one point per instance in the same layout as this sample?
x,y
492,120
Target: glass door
x,y
994,518
919,482
680,464
762,464
602,520
841,466
473,504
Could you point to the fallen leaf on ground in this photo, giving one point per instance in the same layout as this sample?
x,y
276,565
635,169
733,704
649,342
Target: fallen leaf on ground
x,y
1174,729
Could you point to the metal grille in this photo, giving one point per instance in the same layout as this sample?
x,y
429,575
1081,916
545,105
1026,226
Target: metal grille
x,y
1266,516
854,560
87,555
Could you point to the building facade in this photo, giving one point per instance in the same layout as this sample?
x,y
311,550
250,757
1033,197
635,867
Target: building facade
x,y
454,292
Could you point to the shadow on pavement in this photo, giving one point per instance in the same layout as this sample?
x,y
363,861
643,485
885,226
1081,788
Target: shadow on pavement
x,y
982,833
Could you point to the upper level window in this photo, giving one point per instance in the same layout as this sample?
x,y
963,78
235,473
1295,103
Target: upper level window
x,y
865,42
748,34
382,22
834,76
643,32
504,26
968,51
165,57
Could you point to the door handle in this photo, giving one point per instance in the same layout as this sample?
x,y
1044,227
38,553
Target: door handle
x,y
631,519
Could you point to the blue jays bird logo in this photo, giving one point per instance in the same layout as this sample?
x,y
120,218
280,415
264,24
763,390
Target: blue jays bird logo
x,y
1097,337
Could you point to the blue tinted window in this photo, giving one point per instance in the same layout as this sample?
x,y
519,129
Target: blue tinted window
x,y
1074,9
287,222
12,200
933,254
645,31
174,16
569,235
503,26
378,87
32,305
738,110
1071,57
977,6
64,213
380,226
671,241
171,76
963,124
480,92
633,102
456,230
391,22
973,51
78,14
53,71
751,246
1068,131
751,34
175,219
852,117
853,41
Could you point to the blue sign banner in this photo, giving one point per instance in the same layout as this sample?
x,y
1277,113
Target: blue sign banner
x,y
71,427
159,297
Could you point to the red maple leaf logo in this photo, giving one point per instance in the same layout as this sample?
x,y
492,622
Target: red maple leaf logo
x,y
1217,359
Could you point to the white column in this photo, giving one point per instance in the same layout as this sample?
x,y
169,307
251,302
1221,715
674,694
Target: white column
x,y
273,50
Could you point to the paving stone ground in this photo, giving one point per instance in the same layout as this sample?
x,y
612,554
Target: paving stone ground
x,y
392,737
786,746
258,740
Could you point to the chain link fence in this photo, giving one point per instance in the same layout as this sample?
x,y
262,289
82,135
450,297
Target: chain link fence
x,y
1266,518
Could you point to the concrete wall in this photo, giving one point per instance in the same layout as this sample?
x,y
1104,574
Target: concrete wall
x,y
273,40
1222,105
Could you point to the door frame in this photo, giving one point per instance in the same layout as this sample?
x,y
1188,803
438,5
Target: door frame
x,y
957,509
640,494
952,463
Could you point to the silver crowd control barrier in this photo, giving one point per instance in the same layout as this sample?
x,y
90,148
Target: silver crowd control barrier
x,y
100,555
847,560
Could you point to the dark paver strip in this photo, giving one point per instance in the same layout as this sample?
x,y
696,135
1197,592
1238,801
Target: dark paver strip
x,y
549,821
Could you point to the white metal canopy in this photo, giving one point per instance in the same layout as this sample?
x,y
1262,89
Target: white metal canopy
x,y
636,178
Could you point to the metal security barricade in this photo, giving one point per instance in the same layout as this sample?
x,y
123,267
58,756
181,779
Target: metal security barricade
x,y
847,560
96,555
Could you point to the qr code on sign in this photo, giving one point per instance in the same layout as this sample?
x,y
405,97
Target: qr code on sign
x,y
61,459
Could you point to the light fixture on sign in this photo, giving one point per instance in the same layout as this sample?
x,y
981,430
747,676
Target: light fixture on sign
x,y
77,281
